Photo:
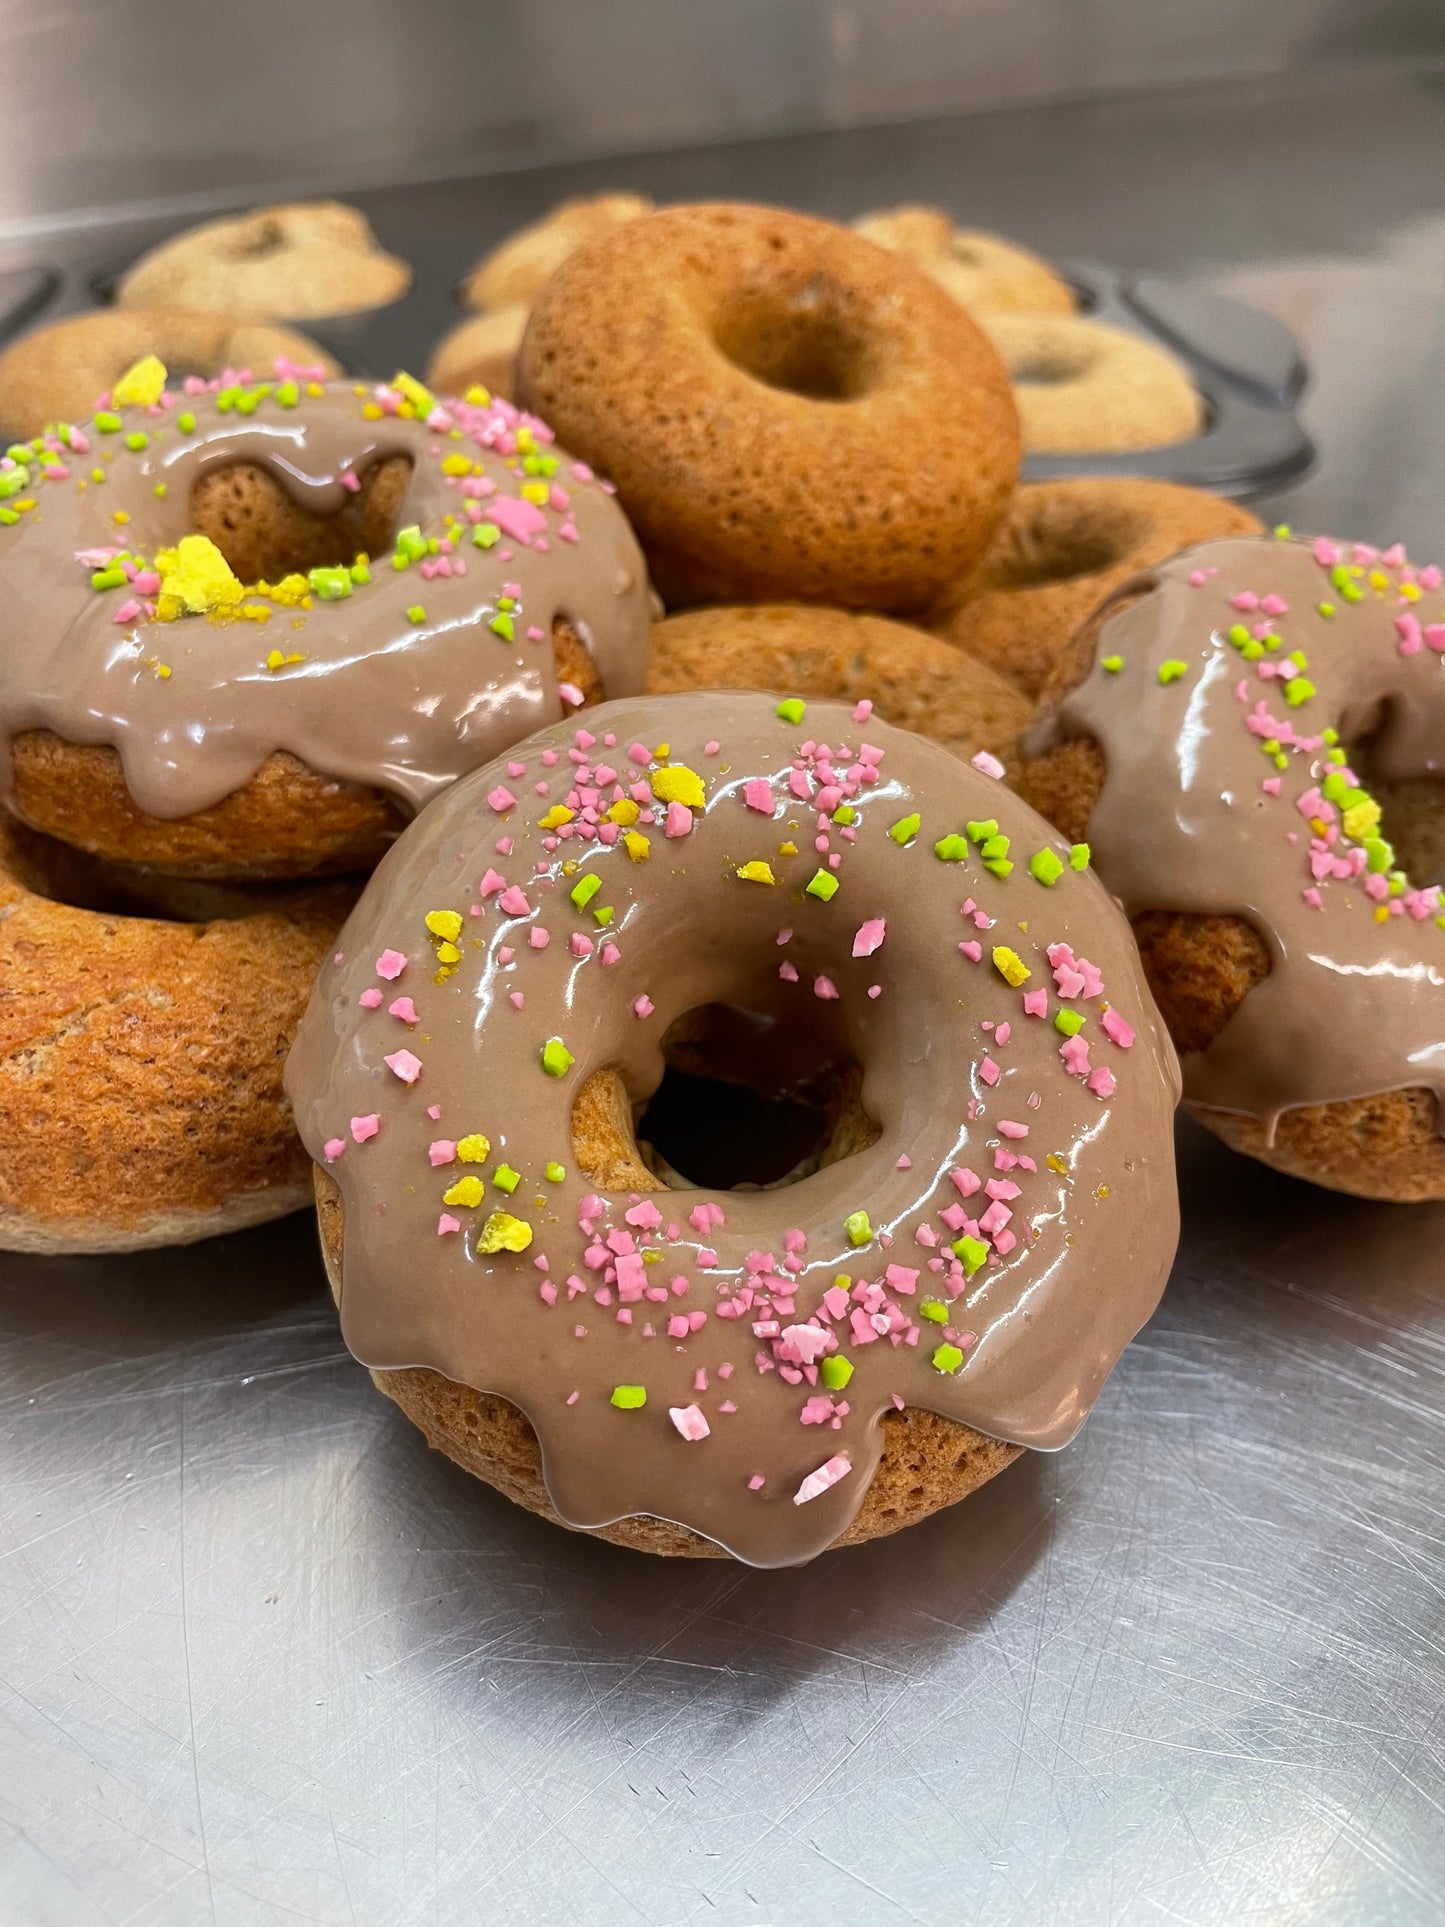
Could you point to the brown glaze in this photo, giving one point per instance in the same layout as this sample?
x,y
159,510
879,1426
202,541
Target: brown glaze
x,y
378,699
1060,1284
1339,995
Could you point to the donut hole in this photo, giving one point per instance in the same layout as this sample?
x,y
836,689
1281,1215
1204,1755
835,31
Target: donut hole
x,y
1412,807
255,240
265,534
806,341
1062,541
1048,364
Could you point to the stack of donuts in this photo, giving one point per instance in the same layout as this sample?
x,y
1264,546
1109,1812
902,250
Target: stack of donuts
x,y
738,1104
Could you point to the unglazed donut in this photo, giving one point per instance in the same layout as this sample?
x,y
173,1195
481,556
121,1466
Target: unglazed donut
x,y
1082,387
907,678
803,896
788,411
981,271
517,269
155,711
57,373
290,263
140,1056
480,351
1060,550
1227,733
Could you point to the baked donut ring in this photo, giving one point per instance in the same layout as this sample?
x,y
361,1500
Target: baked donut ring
x,y
187,723
911,679
516,270
979,270
480,351
1082,387
1060,550
140,1056
1250,736
56,373
789,412
798,906
303,260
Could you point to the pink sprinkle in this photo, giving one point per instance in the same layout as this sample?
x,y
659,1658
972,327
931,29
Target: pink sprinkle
x,y
433,1111
787,972
989,1071
643,1006
973,949
406,1066
988,765
1008,1128
513,901
446,1222
678,821
580,945
862,711
1118,1028
517,999
491,883
965,1181
1036,1003
332,1148
370,999
756,1482
538,938
689,1420
1246,599
390,964
904,1162
441,1150
1003,1033
364,1127
404,1008
1101,1082
823,987
758,795
1313,898
1272,785
901,1278
829,1473
1197,578
869,936
610,955
570,693
1274,605
502,799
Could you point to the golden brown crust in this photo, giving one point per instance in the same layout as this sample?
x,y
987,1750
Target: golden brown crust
x,y
1388,1146
286,822
140,1058
482,349
56,373
515,271
980,270
911,678
264,533
294,261
845,380
928,1462
1082,387
1061,548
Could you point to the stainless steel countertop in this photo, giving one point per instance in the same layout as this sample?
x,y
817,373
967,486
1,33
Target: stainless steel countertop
x,y
266,1660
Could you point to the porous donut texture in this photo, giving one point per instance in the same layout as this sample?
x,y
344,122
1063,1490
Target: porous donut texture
x,y
57,373
1202,967
303,259
980,270
140,1056
928,1462
1060,550
910,678
788,411
1083,387
517,269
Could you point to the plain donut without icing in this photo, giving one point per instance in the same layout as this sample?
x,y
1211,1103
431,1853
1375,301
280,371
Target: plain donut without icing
x,y
1084,387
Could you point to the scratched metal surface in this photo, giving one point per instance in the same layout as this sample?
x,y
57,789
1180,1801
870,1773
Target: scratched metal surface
x,y
264,1660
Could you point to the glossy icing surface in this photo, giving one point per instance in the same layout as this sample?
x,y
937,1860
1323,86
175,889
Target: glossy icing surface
x,y
1229,702
987,1258
399,678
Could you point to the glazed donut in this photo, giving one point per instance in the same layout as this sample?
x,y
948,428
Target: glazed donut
x,y
1060,550
979,270
788,411
481,351
1228,732
1082,387
291,263
514,273
911,679
296,729
140,1056
803,905
55,374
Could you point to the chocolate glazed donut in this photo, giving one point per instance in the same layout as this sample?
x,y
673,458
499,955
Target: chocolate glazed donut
x,y
1252,736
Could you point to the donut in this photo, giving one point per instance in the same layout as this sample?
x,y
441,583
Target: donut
x,y
141,1051
515,271
55,374
303,260
979,270
910,679
789,413
1251,737
945,1200
155,711
1061,548
1082,387
480,351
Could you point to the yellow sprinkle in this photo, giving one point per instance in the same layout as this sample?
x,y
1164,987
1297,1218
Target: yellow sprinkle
x,y
623,812
557,816
1361,818
314,389
1382,912
478,396
535,492
371,412
163,670
637,846
474,1148
467,1191
1055,1162
787,849
141,385
444,923
275,660
1410,591
197,576
456,465
678,785
503,1232
756,872
448,953
116,515
1010,965
1379,581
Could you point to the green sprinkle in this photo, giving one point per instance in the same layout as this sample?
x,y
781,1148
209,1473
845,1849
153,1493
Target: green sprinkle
x,y
952,848
1172,670
981,832
1379,855
557,1060
159,490
1079,855
112,578
1282,531
1113,664
971,1253
905,829
1298,690
107,423
359,572
604,914
9,517
136,440
554,1172
946,1358
1240,636
824,886
1252,650
228,397
416,613
13,480
934,1310
331,585
502,626
629,1398
791,710
845,814
287,394
1326,608
486,535
858,1228
585,888
1068,1023
186,422
1046,868
1329,735
505,1178
411,543
835,1372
